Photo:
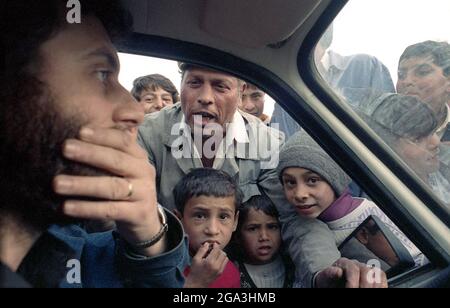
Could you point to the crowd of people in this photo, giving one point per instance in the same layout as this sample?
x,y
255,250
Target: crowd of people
x,y
103,187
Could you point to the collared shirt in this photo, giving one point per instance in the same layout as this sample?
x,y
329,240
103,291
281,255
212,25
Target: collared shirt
x,y
441,130
334,65
236,132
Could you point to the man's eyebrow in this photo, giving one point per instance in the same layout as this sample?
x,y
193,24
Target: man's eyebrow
x,y
103,53
222,80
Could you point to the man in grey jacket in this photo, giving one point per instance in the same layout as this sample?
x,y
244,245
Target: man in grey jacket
x,y
206,129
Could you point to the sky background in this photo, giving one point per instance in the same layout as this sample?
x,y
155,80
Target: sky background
x,y
382,28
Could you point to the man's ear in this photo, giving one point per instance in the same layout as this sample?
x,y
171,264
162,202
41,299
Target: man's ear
x,y
244,86
241,86
178,214
236,220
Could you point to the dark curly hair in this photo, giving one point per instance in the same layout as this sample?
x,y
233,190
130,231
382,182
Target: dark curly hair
x,y
439,51
206,182
26,102
152,82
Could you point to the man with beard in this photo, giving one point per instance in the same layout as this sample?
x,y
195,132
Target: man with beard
x,y
68,152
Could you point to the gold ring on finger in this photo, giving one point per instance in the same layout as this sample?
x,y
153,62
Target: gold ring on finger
x,y
130,189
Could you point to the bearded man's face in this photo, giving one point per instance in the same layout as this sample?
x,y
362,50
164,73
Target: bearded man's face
x,y
76,84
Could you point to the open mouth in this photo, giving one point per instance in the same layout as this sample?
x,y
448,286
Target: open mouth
x,y
204,114
202,118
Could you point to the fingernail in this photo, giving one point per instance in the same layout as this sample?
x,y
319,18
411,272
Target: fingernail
x,y
70,149
68,207
86,132
62,185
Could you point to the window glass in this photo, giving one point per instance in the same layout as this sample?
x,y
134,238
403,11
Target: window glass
x,y
390,61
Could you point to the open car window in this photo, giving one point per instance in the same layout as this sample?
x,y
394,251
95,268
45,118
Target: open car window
x,y
390,62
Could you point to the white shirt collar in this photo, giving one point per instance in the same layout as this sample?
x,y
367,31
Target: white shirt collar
x,y
236,129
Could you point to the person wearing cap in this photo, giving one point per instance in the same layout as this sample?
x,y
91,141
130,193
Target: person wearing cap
x,y
349,76
318,189
207,129
424,71
409,126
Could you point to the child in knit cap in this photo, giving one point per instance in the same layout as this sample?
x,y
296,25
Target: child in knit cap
x,y
318,189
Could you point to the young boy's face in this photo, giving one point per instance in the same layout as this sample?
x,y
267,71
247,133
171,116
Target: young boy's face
x,y
209,219
260,237
307,191
421,77
155,100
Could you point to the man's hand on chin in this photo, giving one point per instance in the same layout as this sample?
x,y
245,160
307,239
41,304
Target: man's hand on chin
x,y
128,197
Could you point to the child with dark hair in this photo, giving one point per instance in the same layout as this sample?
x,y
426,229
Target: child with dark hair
x,y
258,246
155,91
207,202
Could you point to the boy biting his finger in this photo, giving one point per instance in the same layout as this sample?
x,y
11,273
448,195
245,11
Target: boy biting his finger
x,y
207,202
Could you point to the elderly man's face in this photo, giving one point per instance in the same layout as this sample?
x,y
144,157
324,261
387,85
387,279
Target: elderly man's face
x,y
209,97
422,78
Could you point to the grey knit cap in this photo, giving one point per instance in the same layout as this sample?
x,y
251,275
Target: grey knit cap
x,y
302,151
401,115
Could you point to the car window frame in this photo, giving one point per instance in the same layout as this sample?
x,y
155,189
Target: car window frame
x,y
293,103
380,194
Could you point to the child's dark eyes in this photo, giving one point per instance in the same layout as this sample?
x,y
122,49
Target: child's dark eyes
x,y
289,183
313,180
274,227
199,215
224,216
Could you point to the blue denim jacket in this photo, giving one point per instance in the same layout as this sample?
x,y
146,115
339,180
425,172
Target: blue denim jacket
x,y
69,257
